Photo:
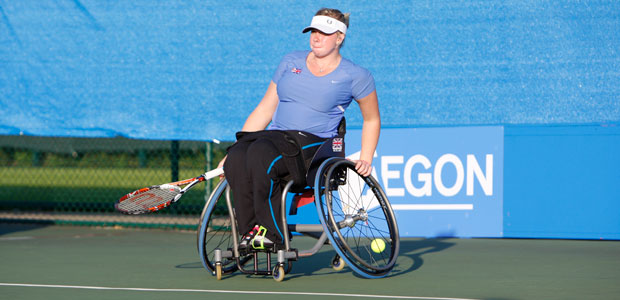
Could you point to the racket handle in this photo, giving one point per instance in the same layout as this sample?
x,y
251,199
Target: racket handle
x,y
213,173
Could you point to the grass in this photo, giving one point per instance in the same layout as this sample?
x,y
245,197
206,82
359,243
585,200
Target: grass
x,y
89,177
86,189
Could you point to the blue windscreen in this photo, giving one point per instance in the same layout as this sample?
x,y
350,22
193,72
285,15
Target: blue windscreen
x,y
195,69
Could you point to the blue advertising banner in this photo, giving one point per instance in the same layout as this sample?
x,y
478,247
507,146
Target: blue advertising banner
x,y
441,181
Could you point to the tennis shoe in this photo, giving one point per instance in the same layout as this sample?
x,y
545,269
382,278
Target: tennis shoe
x,y
247,238
260,242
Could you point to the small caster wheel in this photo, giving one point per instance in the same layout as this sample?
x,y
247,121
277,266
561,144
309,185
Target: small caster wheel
x,y
338,263
218,271
278,273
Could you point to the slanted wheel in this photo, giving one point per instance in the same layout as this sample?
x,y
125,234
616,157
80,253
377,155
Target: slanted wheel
x,y
354,211
214,231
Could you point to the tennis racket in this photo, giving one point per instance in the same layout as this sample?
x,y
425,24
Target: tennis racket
x,y
156,197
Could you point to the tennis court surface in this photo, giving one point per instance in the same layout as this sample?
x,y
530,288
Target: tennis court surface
x,y
67,262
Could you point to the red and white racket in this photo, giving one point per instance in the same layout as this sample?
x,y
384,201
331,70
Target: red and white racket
x,y
156,197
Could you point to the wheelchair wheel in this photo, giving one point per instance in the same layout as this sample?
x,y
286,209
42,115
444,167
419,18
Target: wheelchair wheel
x,y
338,263
357,218
278,273
214,231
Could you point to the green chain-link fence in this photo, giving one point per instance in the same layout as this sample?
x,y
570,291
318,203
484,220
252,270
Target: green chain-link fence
x,y
78,180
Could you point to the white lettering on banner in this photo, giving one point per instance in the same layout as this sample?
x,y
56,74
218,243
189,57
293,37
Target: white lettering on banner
x,y
486,180
386,175
427,188
464,174
458,184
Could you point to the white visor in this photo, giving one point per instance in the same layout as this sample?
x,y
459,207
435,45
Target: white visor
x,y
326,25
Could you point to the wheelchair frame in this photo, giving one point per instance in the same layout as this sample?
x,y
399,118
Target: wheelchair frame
x,y
324,232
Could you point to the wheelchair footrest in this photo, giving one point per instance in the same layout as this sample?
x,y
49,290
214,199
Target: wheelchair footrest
x,y
282,258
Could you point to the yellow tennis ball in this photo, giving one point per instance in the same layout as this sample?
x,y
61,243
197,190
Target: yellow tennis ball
x,y
377,245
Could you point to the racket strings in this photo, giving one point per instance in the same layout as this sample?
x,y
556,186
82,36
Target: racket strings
x,y
153,199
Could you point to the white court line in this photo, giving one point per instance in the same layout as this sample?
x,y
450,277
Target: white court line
x,y
432,206
220,291
16,238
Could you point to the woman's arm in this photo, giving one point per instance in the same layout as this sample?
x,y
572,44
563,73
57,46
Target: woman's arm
x,y
371,128
262,114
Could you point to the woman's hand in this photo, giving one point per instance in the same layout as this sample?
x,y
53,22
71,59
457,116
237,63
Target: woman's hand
x,y
363,167
221,164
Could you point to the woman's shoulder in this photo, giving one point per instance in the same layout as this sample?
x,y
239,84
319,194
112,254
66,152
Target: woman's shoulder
x,y
353,69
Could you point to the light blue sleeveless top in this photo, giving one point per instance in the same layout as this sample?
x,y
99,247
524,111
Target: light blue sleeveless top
x,y
316,104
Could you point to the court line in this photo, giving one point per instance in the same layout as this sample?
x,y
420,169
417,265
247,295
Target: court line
x,y
85,287
16,238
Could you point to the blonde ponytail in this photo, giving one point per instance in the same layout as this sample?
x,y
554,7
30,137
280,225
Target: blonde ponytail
x,y
346,19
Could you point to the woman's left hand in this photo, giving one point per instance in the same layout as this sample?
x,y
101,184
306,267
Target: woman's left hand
x,y
363,167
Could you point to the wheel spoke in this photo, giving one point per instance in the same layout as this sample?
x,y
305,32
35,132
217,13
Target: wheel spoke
x,y
359,213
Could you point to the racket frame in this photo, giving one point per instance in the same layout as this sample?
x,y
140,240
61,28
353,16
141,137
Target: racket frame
x,y
188,182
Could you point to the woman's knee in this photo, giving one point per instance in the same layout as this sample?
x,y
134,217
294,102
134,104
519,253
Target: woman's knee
x,y
236,157
262,147
263,154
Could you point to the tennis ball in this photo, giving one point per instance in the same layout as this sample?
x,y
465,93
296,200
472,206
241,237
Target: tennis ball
x,y
377,245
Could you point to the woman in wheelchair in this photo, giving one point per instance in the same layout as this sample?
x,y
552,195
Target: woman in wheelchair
x,y
303,106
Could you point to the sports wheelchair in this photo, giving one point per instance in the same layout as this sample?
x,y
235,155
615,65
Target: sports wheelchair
x,y
355,218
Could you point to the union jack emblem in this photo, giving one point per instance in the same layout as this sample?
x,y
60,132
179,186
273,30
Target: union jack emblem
x,y
337,144
296,70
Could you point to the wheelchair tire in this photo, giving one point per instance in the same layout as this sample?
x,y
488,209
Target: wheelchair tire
x,y
278,273
214,231
338,263
354,212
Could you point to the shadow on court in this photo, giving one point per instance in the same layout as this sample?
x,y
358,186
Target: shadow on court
x,y
192,265
8,228
415,250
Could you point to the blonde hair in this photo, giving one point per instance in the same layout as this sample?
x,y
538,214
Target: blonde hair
x,y
336,14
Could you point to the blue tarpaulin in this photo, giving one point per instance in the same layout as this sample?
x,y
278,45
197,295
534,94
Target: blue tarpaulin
x,y
194,70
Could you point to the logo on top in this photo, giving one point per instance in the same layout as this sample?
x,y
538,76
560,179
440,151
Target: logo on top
x,y
337,144
296,70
